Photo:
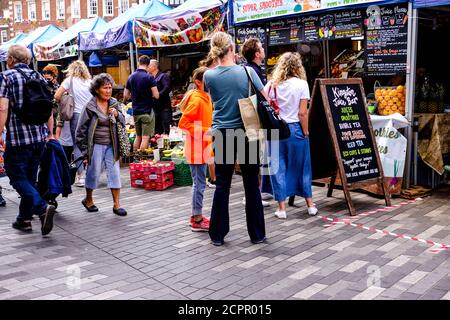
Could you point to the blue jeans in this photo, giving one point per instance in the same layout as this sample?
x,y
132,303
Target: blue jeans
x,y
73,131
21,165
198,173
103,155
290,169
220,220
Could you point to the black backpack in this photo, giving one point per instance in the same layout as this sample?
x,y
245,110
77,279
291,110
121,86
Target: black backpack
x,y
37,101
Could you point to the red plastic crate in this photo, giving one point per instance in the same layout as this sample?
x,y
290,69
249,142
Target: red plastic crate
x,y
160,185
160,168
137,183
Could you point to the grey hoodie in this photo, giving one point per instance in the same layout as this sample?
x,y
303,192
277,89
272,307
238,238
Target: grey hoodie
x,y
88,123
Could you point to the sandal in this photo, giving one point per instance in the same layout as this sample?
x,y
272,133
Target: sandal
x,y
92,208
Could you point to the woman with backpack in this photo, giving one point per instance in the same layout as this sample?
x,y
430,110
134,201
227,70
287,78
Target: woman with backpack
x,y
78,80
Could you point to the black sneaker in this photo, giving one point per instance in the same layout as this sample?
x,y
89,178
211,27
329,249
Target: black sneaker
x,y
24,226
47,220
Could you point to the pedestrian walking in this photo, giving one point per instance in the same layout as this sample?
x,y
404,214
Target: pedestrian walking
x,y
24,142
196,121
78,81
141,88
97,138
163,105
292,175
227,83
50,73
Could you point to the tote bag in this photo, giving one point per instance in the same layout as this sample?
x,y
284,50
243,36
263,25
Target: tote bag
x,y
67,104
275,127
249,115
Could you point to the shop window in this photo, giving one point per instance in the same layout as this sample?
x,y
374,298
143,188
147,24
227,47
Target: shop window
x,y
18,14
76,11
4,36
60,9
93,8
123,5
32,10
108,9
45,9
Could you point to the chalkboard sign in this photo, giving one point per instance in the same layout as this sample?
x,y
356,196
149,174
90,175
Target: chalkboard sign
x,y
311,27
348,24
386,40
285,32
244,33
339,122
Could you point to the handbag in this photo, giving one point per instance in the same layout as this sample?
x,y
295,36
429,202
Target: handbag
x,y
124,142
249,115
66,105
73,168
274,102
269,118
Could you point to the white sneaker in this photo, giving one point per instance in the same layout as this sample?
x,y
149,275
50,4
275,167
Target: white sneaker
x,y
312,211
266,196
264,203
80,182
280,214
210,185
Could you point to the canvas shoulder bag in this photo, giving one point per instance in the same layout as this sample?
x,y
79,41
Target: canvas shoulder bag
x,y
249,115
67,103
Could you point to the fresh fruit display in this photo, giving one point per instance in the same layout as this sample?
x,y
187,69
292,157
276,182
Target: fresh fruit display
x,y
272,61
390,100
195,35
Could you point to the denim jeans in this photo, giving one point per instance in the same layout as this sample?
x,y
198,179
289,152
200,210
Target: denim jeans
x,y
219,223
198,173
73,131
21,165
103,156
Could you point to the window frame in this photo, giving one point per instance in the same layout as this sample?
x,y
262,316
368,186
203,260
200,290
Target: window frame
x,y
121,8
90,14
16,3
58,8
78,7
29,7
105,14
43,10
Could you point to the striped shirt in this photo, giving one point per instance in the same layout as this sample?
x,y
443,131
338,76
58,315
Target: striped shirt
x,y
12,88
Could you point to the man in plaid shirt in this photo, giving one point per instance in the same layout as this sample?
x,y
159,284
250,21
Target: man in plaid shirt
x,y
24,143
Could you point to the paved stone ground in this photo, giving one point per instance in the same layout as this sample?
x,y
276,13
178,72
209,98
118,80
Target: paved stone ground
x,y
152,253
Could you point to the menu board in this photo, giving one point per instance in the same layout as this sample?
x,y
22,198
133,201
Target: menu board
x,y
353,135
348,24
310,28
285,32
386,40
327,27
244,33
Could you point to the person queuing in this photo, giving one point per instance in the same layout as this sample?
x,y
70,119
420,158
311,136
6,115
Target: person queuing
x,y
24,143
196,121
97,139
253,52
163,106
226,84
293,175
78,81
141,88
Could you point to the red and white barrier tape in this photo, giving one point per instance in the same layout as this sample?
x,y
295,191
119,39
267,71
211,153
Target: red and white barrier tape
x,y
347,221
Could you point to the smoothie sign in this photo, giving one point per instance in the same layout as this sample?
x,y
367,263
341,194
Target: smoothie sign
x,y
251,10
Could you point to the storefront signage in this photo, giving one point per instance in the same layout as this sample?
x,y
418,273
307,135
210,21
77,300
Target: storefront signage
x,y
386,40
113,37
251,10
54,53
244,33
191,28
339,105
286,31
329,26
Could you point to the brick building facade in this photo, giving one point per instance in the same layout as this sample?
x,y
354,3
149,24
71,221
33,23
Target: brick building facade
x,y
27,15
5,15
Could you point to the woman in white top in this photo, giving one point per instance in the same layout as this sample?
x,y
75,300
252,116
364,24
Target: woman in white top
x,y
78,81
290,170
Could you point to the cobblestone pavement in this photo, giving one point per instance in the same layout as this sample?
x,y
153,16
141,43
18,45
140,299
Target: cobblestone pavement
x,y
153,254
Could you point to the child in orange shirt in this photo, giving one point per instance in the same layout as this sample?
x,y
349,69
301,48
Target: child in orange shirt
x,y
196,121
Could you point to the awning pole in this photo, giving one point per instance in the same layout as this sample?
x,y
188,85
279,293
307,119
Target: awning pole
x,y
80,55
131,57
137,57
35,65
411,155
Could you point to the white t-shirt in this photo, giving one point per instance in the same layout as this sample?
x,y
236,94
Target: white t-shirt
x,y
289,94
82,95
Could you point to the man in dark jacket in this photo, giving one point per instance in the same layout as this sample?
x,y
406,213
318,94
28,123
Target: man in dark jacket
x,y
163,106
253,52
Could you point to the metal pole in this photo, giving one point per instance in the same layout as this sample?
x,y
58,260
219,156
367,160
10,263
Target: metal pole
x,y
137,57
410,91
131,57
35,65
80,55
157,55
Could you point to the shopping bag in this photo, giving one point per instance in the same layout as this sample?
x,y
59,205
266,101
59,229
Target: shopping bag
x,y
249,115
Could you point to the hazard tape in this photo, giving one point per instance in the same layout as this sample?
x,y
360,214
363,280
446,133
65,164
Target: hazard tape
x,y
439,246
